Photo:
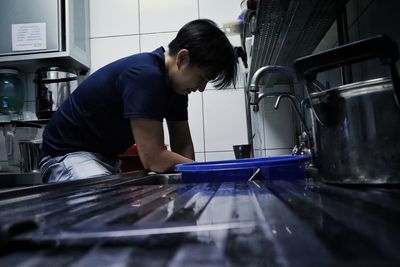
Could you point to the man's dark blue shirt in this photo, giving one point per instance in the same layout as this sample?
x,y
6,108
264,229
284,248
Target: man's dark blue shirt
x,y
96,116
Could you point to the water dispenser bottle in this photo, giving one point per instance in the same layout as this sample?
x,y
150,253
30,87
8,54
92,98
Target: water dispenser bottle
x,y
12,95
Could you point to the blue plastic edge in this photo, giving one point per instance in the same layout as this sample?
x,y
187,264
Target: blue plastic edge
x,y
226,165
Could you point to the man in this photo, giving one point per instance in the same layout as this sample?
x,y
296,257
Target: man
x,y
125,103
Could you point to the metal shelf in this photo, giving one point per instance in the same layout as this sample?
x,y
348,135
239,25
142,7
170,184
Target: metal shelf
x,y
289,29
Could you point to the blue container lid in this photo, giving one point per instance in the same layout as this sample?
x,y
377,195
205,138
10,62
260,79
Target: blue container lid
x,y
239,163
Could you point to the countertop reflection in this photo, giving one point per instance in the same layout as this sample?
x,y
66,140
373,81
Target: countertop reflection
x,y
156,220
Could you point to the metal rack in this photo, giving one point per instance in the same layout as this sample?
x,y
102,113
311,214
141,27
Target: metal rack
x,y
289,29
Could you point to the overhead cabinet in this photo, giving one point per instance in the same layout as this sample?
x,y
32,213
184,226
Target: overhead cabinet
x,y
39,32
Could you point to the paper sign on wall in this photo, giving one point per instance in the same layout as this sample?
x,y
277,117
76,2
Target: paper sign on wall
x,y
28,36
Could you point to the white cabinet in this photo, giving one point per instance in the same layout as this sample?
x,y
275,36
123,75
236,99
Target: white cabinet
x,y
38,33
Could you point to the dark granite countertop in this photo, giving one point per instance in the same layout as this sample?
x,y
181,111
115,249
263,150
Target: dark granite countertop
x,y
138,220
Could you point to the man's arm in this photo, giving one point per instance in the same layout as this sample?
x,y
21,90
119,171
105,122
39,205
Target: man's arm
x,y
149,138
180,138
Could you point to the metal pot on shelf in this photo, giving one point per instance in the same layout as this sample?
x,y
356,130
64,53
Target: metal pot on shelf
x,y
356,126
53,87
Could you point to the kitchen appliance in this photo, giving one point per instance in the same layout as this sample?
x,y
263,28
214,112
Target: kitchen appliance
x,y
12,94
53,86
37,32
30,26
356,126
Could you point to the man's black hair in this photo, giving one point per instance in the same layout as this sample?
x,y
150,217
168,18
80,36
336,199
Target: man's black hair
x,y
208,48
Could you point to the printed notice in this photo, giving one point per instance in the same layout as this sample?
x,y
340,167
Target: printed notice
x,y
28,36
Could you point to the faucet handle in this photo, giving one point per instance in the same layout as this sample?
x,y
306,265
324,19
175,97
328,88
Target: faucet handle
x,y
253,98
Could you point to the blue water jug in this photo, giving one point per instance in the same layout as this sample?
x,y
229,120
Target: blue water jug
x,y
12,93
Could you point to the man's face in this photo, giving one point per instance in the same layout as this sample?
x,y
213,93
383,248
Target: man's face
x,y
185,78
189,79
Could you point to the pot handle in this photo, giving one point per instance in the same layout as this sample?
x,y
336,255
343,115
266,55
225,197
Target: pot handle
x,y
380,46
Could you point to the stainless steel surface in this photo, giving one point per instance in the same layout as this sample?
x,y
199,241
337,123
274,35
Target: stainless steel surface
x,y
357,133
68,43
33,11
53,86
116,221
31,154
286,30
9,179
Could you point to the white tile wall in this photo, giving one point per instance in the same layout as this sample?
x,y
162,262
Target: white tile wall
x,y
106,50
221,155
220,11
149,42
164,16
224,119
113,18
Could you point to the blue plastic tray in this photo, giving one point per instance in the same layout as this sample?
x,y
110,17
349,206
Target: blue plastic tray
x,y
272,168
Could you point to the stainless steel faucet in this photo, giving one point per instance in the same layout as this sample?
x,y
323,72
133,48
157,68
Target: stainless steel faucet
x,y
255,80
255,102
254,96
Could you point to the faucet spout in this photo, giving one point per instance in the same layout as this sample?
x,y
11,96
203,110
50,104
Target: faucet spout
x,y
256,98
255,80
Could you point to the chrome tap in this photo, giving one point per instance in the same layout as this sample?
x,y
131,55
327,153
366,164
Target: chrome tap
x,y
256,101
254,88
255,80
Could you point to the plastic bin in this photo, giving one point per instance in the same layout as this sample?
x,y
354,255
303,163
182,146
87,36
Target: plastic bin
x,y
272,168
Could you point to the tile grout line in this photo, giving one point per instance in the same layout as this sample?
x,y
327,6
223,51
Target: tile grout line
x,y
140,39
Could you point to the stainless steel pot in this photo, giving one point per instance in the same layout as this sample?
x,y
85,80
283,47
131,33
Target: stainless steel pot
x,y
356,127
53,87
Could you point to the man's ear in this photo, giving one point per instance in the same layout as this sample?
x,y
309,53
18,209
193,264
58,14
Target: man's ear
x,y
182,57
